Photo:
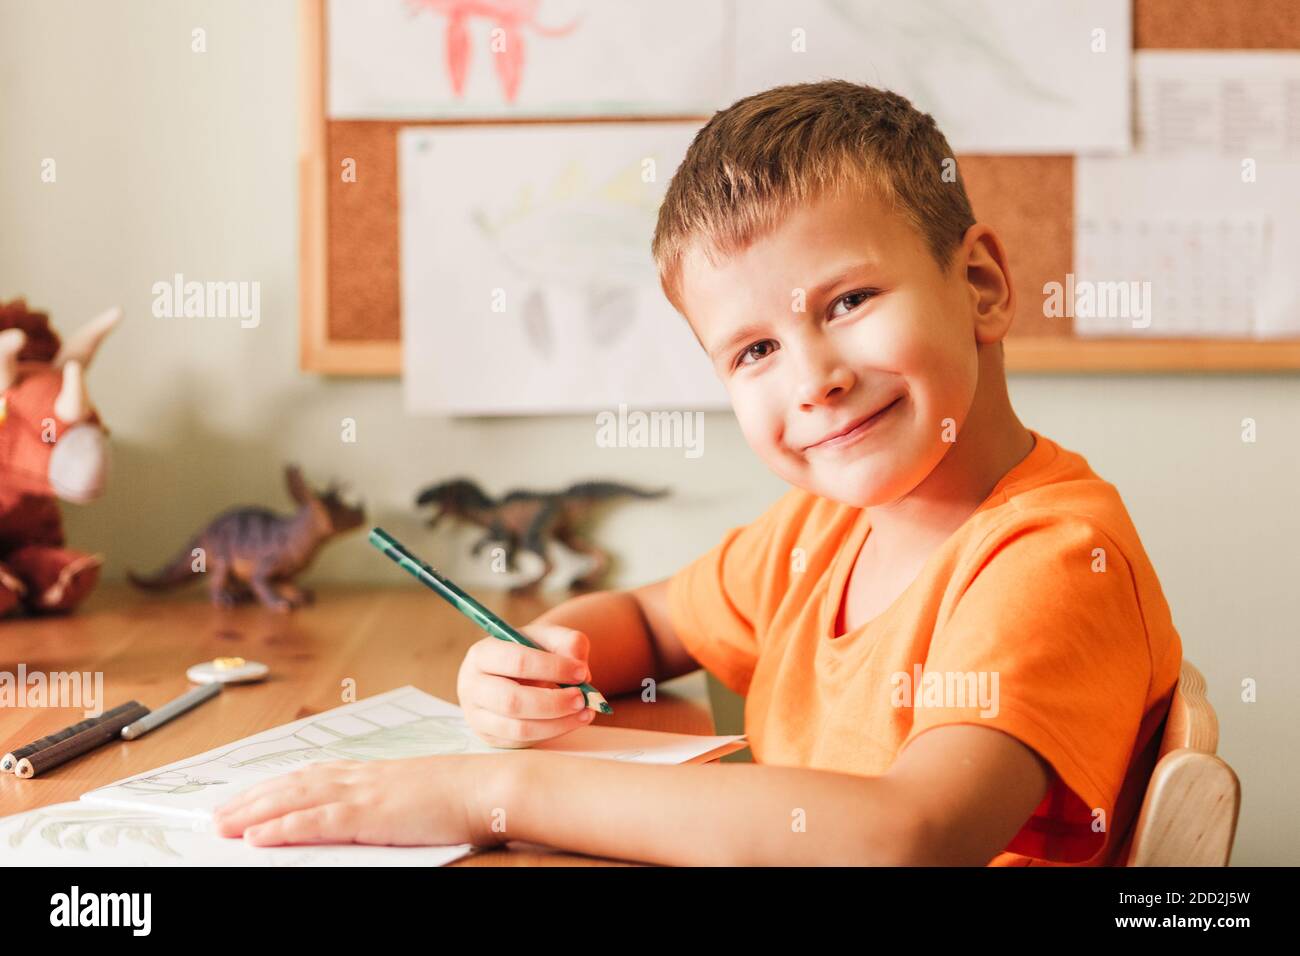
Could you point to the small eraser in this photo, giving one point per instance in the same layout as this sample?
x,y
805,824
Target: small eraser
x,y
224,671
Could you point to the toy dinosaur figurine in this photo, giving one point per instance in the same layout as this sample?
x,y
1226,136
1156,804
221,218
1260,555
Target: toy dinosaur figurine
x,y
52,446
528,519
251,549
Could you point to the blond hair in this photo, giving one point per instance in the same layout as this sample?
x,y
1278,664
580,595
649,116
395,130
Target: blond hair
x,y
757,159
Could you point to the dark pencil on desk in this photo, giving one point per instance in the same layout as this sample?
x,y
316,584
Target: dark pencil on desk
x,y
87,740
471,608
9,762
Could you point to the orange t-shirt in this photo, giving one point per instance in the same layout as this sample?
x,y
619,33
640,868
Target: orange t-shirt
x,y
1040,616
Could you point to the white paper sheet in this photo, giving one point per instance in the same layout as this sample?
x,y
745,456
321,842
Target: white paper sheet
x,y
82,834
394,59
1015,76
527,282
1217,253
163,816
1230,104
999,76
406,722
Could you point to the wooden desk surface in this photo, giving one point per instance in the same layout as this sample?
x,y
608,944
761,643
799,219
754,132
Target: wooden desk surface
x,y
381,638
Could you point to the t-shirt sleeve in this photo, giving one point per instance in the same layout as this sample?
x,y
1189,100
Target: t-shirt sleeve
x,y
719,603
1051,624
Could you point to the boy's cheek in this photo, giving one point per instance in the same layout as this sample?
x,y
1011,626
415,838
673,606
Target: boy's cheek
x,y
761,427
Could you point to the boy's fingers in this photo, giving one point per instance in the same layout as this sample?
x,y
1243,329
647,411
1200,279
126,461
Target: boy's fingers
x,y
287,799
504,659
506,697
525,731
301,776
560,640
535,683
331,823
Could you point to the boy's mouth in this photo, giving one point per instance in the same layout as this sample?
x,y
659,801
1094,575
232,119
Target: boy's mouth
x,y
854,429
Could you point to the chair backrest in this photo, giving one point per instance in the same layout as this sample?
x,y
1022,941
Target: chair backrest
x,y
1189,812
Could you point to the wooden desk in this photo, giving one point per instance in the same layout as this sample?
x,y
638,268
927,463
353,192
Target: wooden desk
x,y
381,638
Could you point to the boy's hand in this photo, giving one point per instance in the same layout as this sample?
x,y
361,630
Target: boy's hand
x,y
509,692
419,801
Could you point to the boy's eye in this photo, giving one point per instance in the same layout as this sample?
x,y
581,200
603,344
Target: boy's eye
x,y
852,300
750,351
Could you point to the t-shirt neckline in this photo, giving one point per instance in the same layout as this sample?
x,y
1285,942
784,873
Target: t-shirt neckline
x,y
1042,452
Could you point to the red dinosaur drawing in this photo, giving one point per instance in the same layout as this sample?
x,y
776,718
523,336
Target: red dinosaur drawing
x,y
510,16
52,446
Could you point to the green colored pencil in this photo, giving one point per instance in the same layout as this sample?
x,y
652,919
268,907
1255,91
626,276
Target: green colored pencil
x,y
471,608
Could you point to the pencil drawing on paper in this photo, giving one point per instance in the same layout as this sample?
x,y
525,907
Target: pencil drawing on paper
x,y
949,32
578,233
173,781
385,731
87,829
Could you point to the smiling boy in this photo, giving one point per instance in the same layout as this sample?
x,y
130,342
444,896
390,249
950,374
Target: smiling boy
x,y
953,646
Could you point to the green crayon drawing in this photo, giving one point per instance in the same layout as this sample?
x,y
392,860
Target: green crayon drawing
x,y
81,830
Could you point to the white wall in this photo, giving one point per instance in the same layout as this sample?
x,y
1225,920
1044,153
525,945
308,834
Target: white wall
x,y
171,161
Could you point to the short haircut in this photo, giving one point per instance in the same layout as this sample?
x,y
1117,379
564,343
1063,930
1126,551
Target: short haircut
x,y
754,161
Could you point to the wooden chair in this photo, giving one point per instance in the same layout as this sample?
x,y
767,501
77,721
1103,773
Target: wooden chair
x,y
1189,813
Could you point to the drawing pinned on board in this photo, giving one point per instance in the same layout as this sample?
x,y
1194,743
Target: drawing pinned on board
x,y
958,28
431,59
537,323
509,19
1011,76
587,325
610,313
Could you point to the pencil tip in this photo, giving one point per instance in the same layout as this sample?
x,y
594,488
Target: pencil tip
x,y
596,700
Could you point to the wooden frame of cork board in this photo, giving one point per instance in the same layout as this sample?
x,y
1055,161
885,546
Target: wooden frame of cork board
x,y
349,256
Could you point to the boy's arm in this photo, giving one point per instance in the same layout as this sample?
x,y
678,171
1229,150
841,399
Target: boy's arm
x,y
630,633
955,796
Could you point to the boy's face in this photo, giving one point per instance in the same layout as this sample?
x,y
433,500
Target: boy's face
x,y
838,313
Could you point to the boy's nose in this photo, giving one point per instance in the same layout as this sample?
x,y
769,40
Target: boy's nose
x,y
823,378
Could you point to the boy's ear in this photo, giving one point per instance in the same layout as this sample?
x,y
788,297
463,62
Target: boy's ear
x,y
988,276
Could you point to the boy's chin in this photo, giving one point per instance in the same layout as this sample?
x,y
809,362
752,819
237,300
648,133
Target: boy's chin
x,y
865,490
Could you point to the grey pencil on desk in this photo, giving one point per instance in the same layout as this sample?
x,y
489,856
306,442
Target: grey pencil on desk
x,y
173,708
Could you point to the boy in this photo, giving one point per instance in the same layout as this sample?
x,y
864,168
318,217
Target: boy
x,y
953,646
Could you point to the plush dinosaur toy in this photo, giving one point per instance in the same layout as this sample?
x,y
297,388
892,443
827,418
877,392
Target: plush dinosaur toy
x,y
251,549
527,519
52,446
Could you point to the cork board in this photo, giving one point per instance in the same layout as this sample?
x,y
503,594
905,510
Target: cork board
x,y
349,278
